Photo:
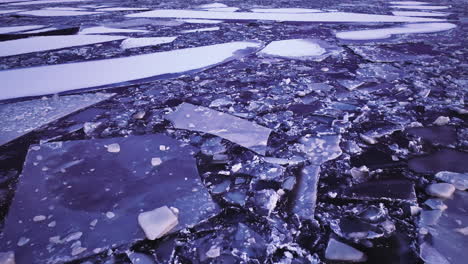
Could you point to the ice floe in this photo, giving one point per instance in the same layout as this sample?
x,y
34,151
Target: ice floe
x,y
294,48
124,184
384,33
41,2
200,30
339,251
21,118
7,30
10,11
419,14
121,9
285,10
421,7
42,30
107,30
156,223
309,17
130,43
201,21
240,131
38,44
459,180
57,13
71,76
408,3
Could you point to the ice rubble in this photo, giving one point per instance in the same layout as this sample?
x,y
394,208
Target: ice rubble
x,y
293,17
20,118
58,13
38,44
235,129
105,30
384,33
419,13
131,43
85,216
294,48
6,30
72,76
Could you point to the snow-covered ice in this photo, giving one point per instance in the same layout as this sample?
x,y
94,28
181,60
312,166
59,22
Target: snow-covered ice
x,y
121,9
41,2
38,44
200,30
106,30
421,7
419,13
57,13
293,48
7,30
285,10
130,43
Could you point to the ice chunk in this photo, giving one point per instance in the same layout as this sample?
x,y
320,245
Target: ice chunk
x,y
158,222
342,252
388,32
305,192
235,129
212,5
38,44
408,3
7,257
200,30
90,74
201,21
41,2
442,121
122,9
441,190
20,118
320,149
421,7
430,255
105,30
400,190
57,13
131,43
442,160
419,14
5,30
285,10
10,11
294,48
105,189
307,17
459,180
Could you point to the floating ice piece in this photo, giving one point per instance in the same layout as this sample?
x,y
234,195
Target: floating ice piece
x,y
122,9
399,190
42,30
41,2
38,44
89,74
158,222
200,30
342,252
408,3
320,149
57,13
285,10
89,192
2,12
419,14
421,7
459,180
105,30
235,129
20,118
442,160
12,1
310,17
130,43
201,21
6,30
388,32
447,236
213,5
222,9
65,8
294,48
440,190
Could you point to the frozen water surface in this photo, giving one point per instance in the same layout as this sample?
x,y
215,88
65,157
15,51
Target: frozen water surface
x,y
311,17
21,118
58,13
38,44
419,13
388,32
130,43
121,9
235,129
5,30
294,48
94,197
66,77
41,2
105,30
285,10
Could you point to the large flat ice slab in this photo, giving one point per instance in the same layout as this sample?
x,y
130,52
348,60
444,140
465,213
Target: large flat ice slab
x,y
421,7
38,44
294,48
13,29
90,74
419,13
77,198
106,30
240,131
20,118
310,17
383,33
285,10
130,43
57,13
42,2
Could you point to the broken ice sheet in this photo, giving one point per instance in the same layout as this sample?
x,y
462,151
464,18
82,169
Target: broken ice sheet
x,y
20,118
399,190
383,33
88,193
240,131
445,135
105,30
57,13
296,49
131,43
449,236
40,2
421,7
90,74
6,30
38,44
285,10
442,160
419,13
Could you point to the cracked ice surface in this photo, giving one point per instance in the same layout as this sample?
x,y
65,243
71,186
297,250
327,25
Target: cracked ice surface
x,y
89,74
235,129
85,216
